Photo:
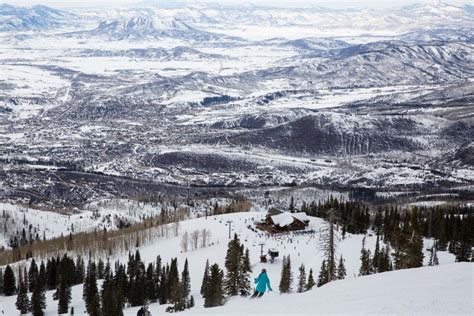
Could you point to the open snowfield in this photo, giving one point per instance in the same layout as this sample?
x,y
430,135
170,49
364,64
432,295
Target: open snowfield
x,y
342,296
441,290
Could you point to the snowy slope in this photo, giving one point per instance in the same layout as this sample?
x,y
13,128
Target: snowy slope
x,y
100,214
302,249
441,290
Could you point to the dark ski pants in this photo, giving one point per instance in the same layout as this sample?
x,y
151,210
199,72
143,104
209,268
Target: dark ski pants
x,y
257,294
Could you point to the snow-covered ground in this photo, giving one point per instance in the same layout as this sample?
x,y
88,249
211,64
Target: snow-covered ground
x,y
303,248
98,215
441,290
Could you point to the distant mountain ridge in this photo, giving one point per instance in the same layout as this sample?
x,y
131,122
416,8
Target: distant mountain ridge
x,y
38,17
137,28
399,19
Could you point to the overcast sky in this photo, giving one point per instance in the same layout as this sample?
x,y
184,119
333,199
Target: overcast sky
x,y
288,3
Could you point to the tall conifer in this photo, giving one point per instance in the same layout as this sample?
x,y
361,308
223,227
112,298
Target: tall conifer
x,y
22,301
311,283
9,282
301,279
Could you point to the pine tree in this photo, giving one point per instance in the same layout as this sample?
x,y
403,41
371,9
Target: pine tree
x,y
311,283
191,302
38,301
150,285
32,275
106,294
328,243
232,264
23,275
108,269
462,246
51,273
384,262
156,277
323,274
365,268
432,252
79,272
42,275
9,282
90,291
301,279
245,286
376,258
205,278
111,304
64,296
1,281
137,285
286,275
100,269
185,283
415,243
120,285
164,288
435,258
214,294
22,301
341,269
137,256
292,205
175,286
67,270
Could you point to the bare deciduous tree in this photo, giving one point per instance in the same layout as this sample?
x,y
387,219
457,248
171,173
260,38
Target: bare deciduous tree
x,y
205,235
176,229
195,238
185,241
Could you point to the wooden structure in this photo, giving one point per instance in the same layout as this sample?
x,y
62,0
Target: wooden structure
x,y
280,221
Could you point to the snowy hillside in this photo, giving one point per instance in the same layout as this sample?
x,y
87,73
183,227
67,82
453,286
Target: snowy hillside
x,y
441,290
455,279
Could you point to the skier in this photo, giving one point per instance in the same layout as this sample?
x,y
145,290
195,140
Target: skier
x,y
262,282
144,311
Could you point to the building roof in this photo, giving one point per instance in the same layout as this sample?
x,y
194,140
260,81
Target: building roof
x,y
301,216
283,219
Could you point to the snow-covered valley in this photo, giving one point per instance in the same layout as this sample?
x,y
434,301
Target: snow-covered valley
x,y
126,92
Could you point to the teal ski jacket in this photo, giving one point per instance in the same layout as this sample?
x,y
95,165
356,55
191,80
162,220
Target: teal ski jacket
x,y
262,282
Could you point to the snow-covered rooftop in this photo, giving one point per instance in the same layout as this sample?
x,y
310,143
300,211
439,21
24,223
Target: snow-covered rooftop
x,y
301,216
283,219
286,218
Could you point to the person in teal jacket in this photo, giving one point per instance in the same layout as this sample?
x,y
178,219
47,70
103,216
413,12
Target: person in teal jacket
x,y
263,282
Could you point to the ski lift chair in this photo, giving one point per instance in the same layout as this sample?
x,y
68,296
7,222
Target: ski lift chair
x,y
273,253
